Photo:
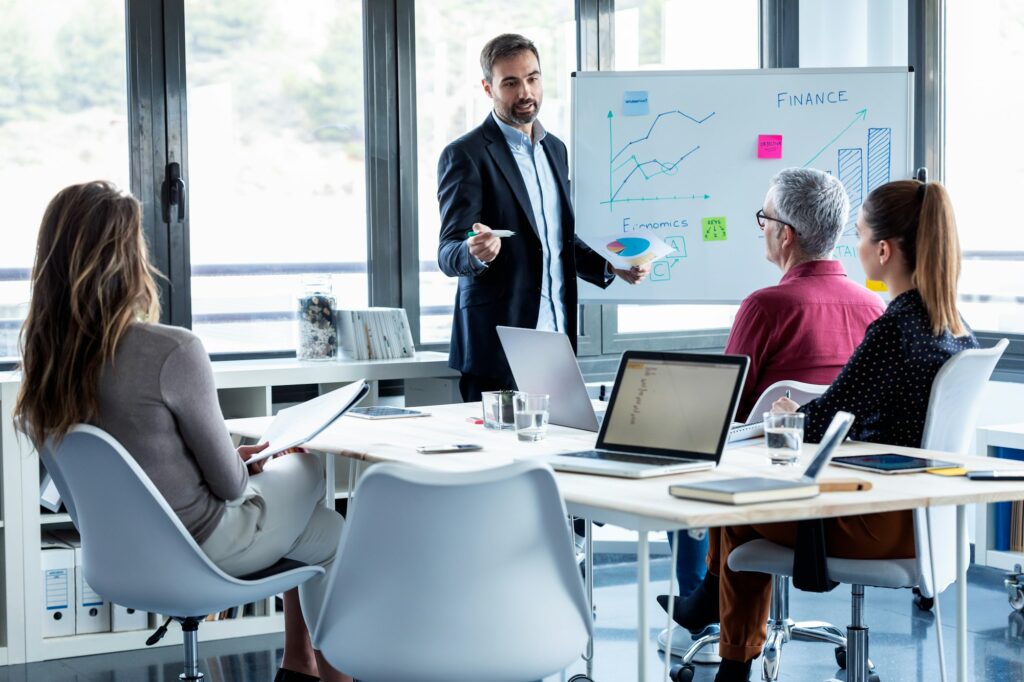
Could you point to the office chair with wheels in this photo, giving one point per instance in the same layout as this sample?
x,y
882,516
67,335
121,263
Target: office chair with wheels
x,y
136,552
477,578
952,411
801,392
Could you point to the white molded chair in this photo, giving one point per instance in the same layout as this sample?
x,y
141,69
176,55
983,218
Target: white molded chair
x,y
455,577
952,411
135,550
799,391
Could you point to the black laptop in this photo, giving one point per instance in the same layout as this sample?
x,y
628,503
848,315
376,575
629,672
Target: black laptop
x,y
668,413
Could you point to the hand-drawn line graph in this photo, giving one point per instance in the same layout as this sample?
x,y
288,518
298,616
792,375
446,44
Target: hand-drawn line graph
x,y
648,169
850,166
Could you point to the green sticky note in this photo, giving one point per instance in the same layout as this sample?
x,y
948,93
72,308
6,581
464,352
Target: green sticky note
x,y
713,229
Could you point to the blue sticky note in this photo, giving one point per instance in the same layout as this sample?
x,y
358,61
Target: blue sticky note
x,y
634,103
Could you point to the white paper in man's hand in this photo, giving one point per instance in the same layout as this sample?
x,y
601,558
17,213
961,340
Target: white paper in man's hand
x,y
298,424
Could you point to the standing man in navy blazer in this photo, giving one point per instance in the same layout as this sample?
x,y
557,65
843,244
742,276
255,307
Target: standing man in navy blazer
x,y
509,173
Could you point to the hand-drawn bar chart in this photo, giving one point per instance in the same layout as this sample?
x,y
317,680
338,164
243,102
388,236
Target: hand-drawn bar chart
x,y
851,170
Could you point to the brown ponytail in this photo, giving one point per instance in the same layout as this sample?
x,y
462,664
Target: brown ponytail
x,y
919,218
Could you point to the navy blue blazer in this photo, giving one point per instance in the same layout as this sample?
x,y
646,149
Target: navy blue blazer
x,y
478,181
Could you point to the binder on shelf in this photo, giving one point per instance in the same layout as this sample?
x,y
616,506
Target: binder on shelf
x,y
1003,514
375,334
48,495
123,619
58,574
92,612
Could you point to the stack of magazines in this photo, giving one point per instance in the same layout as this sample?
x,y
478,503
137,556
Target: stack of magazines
x,y
375,334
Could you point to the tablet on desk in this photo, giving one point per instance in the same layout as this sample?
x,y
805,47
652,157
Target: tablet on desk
x,y
891,463
385,412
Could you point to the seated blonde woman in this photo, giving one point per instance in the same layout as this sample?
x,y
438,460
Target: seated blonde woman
x,y
92,352
907,239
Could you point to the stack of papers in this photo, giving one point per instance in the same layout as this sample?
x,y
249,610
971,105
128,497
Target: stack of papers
x,y
375,334
299,424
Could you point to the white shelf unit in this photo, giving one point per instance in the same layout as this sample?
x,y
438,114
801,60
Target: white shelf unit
x,y
989,438
244,388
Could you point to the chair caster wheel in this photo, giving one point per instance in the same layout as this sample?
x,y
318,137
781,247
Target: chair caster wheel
x,y
841,657
682,673
580,678
922,602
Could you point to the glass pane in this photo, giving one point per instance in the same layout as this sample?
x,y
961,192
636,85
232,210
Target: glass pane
x,y
679,34
63,120
276,164
853,33
984,62
450,101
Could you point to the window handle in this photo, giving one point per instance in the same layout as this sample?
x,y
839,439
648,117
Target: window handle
x,y
175,191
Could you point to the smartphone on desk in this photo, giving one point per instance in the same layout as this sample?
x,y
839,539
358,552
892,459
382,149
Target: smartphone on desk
x,y
1013,475
439,449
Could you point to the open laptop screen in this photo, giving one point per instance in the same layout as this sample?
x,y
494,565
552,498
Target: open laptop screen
x,y
675,402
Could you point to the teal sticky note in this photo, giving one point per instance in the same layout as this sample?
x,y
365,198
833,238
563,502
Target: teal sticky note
x,y
635,103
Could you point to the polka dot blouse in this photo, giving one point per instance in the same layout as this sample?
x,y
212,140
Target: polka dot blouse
x,y
888,379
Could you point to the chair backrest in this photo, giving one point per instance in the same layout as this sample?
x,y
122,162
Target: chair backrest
x,y
135,550
799,391
456,577
953,408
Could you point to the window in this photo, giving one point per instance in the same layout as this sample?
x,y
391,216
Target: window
x,y
678,34
985,157
450,101
276,164
63,120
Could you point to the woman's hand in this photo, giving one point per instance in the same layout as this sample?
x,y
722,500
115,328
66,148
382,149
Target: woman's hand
x,y
785,405
247,451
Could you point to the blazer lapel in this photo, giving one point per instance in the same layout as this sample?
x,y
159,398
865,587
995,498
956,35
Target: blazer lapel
x,y
561,175
502,155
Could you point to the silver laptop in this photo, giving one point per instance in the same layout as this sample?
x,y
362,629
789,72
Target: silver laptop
x,y
543,362
669,413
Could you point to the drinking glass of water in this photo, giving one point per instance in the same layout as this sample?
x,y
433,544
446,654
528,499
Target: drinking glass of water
x,y
531,415
784,435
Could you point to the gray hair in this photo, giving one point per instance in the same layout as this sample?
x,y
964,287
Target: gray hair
x,y
502,47
815,204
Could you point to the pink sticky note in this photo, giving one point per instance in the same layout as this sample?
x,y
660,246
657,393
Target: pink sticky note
x,y
769,146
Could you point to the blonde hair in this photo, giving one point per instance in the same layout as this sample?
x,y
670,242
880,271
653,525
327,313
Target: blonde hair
x,y
919,217
90,281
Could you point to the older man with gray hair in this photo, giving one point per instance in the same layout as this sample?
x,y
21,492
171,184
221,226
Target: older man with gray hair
x,y
804,329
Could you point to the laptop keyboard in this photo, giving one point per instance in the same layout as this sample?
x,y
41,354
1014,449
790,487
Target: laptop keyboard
x,y
625,457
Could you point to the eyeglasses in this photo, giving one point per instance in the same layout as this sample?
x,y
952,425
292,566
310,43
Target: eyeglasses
x,y
762,218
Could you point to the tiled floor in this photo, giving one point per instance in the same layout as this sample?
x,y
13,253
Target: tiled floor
x,y
903,641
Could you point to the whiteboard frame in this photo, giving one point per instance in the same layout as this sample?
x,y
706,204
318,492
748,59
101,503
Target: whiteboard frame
x,y
911,134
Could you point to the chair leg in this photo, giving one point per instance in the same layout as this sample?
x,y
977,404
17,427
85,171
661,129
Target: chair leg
x,y
190,633
698,644
857,669
779,629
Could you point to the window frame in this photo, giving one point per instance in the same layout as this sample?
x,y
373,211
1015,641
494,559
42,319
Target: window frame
x,y
157,115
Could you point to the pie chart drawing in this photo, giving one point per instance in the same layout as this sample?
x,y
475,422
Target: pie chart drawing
x,y
628,247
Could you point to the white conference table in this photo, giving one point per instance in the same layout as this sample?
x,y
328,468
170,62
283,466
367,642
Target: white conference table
x,y
645,505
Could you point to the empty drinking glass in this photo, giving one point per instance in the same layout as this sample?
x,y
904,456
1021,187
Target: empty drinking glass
x,y
497,407
531,415
784,435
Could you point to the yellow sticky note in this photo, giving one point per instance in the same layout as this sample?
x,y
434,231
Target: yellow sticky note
x,y
952,471
875,285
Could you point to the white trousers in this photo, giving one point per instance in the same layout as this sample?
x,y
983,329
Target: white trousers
x,y
280,515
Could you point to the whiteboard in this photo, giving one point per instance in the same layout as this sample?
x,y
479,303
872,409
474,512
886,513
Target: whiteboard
x,y
688,156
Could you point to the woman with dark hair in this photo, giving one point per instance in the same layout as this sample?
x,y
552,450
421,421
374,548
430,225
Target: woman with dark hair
x,y
93,352
908,240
